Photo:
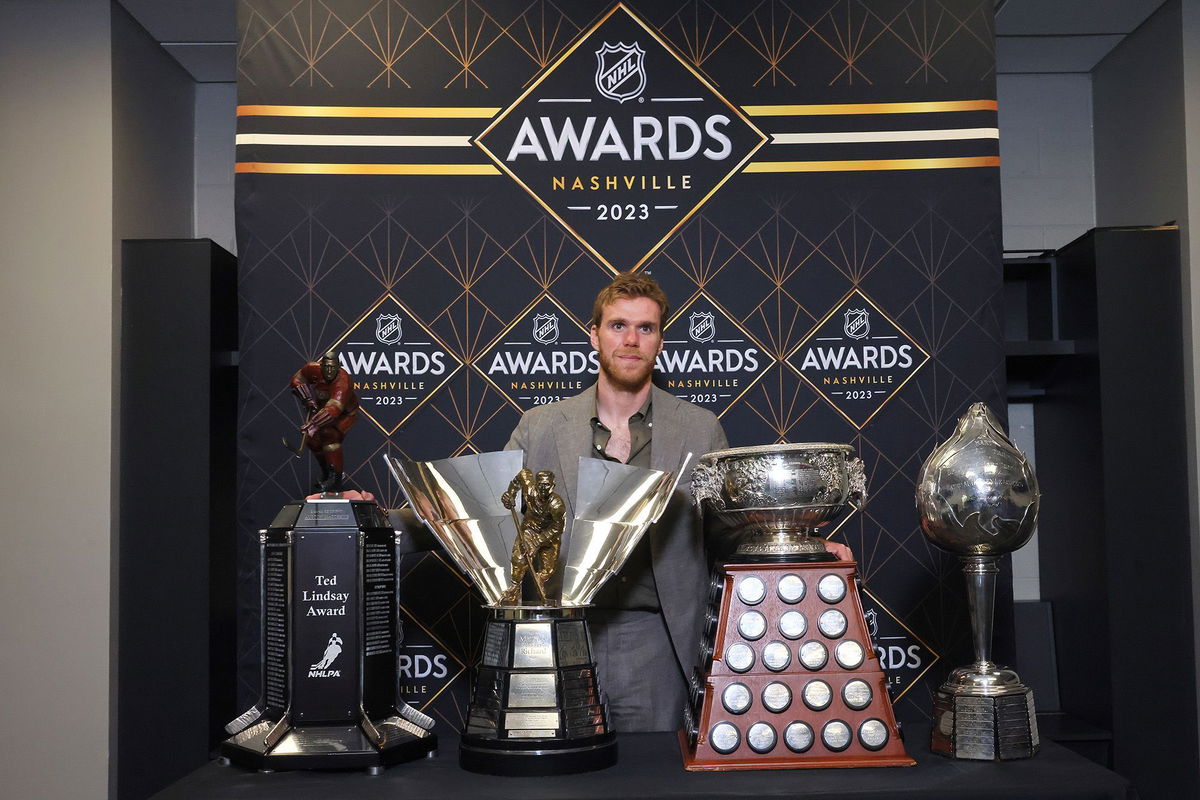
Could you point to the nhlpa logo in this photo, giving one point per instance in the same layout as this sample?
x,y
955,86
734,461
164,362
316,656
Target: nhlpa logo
x,y
545,328
387,328
858,323
332,651
620,71
702,326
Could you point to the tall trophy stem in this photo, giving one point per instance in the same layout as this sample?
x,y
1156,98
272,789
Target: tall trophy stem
x,y
981,572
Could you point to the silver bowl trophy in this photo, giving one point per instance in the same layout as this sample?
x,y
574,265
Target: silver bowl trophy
x,y
537,708
787,675
977,497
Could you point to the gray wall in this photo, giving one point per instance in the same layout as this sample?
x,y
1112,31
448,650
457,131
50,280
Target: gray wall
x,y
56,292
98,146
216,124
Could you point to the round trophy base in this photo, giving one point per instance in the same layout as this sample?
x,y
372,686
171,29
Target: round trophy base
x,y
983,679
782,549
537,757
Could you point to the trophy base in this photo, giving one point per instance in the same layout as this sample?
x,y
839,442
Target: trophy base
x,y
782,549
336,746
984,727
537,757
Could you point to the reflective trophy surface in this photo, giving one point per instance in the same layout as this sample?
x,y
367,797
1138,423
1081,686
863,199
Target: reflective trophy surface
x,y
787,675
537,708
774,498
977,497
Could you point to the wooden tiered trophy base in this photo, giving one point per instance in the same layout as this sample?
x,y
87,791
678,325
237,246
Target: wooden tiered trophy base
x,y
787,676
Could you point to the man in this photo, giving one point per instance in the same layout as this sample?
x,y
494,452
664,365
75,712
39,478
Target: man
x,y
646,621
328,395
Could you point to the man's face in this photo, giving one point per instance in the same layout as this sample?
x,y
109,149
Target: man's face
x,y
545,484
329,369
628,339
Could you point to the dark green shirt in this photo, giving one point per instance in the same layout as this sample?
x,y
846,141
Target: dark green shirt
x,y
632,588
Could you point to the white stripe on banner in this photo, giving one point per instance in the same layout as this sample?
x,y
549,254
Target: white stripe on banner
x,y
333,140
841,137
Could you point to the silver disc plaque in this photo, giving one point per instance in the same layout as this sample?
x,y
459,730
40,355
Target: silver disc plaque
x,y
761,737
776,696
752,625
857,694
736,698
776,656
832,623
791,588
798,736
831,588
739,657
849,654
873,734
817,695
836,735
793,624
813,654
724,737
751,590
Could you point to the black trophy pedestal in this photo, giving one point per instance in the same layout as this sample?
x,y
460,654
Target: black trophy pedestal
x,y
329,646
537,707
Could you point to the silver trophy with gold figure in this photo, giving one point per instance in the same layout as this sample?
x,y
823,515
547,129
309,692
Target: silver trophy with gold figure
x,y
537,708
977,497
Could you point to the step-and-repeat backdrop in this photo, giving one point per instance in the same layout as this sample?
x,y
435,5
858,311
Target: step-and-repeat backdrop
x,y
438,189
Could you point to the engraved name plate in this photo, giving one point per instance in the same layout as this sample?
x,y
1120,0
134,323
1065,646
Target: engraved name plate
x,y
776,656
817,695
836,735
495,644
793,624
857,694
831,588
849,654
532,646
798,736
752,625
832,623
572,644
724,737
761,737
739,657
532,690
813,654
791,588
531,720
736,698
751,590
873,734
776,696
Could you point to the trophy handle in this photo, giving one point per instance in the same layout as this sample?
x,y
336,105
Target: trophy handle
x,y
856,483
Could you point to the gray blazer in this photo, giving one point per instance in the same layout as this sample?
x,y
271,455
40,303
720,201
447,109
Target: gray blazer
x,y
555,436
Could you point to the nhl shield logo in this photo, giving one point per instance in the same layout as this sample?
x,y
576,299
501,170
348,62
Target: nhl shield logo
x,y
858,323
545,328
702,327
387,328
620,71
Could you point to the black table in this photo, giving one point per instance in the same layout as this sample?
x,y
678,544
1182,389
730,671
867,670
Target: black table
x,y
649,766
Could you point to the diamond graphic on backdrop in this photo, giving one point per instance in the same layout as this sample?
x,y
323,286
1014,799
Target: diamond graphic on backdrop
x,y
395,367
621,143
857,358
538,360
707,357
902,654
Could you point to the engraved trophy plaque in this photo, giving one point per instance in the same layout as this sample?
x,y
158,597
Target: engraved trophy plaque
x,y
978,498
537,708
328,700
787,677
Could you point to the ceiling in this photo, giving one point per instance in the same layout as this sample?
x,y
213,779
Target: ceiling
x,y
1032,36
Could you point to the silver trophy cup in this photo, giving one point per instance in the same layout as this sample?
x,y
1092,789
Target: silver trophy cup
x,y
977,497
775,498
537,708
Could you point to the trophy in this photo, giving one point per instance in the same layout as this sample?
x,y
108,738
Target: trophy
x,y
537,708
787,676
977,497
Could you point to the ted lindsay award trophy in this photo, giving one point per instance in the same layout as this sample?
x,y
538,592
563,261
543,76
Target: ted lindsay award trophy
x,y
978,498
537,708
328,602
787,676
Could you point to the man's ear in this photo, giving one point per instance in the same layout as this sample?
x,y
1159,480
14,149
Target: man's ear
x,y
593,338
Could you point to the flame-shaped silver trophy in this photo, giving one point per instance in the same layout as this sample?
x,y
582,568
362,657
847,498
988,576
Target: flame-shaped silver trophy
x,y
537,708
977,497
